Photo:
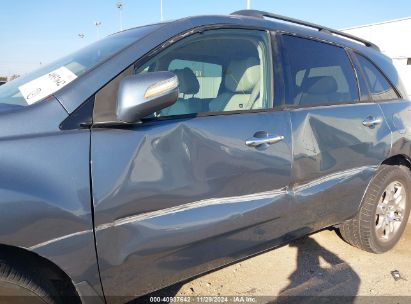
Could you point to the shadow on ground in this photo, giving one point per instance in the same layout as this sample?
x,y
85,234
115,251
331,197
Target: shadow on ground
x,y
319,275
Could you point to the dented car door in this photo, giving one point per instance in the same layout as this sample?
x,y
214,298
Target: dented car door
x,y
182,193
340,136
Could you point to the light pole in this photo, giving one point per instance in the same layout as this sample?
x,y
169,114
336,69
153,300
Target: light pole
x,y
161,10
81,36
248,4
120,6
98,24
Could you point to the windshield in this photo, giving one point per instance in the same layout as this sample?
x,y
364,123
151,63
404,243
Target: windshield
x,y
49,79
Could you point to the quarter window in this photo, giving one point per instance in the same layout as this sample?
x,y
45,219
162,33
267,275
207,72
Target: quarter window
x,y
317,73
218,71
379,87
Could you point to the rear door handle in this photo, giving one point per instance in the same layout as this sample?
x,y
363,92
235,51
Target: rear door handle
x,y
371,121
269,140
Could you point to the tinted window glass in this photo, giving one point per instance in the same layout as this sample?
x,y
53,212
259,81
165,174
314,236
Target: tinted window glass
x,y
218,70
380,88
363,87
317,73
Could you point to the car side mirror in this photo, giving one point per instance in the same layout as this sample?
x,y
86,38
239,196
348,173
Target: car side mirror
x,y
142,95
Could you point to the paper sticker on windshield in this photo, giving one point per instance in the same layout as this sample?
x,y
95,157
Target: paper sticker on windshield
x,y
45,85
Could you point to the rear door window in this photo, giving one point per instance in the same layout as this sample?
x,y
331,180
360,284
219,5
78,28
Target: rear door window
x,y
380,88
317,73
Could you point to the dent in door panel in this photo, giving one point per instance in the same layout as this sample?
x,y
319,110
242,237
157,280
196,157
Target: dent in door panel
x,y
169,241
185,196
177,163
321,202
335,157
334,140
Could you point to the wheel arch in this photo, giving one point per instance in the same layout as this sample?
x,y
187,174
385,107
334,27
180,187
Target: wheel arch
x,y
398,159
393,160
33,261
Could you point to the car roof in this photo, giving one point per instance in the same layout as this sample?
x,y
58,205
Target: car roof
x,y
252,18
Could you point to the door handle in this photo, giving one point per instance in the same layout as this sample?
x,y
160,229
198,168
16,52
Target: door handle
x,y
269,140
371,121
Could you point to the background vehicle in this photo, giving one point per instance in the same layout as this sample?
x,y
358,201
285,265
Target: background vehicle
x,y
118,183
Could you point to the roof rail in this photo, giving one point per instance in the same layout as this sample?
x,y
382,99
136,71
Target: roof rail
x,y
262,14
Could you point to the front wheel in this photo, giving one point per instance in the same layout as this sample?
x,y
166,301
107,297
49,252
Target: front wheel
x,y
384,212
24,280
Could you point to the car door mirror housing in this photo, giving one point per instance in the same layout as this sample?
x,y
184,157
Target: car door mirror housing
x,y
141,95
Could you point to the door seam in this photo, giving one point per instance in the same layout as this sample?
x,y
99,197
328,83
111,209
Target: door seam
x,y
93,216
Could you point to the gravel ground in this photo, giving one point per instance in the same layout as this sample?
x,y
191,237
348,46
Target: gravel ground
x,y
318,265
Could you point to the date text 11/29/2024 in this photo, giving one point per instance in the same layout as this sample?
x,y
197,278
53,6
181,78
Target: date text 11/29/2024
x,y
204,299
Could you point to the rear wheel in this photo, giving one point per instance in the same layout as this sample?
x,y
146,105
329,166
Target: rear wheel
x,y
384,212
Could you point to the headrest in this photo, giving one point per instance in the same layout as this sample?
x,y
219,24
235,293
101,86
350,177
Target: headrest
x,y
321,85
242,75
188,82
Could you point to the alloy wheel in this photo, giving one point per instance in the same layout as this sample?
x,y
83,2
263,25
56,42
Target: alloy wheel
x,y
390,211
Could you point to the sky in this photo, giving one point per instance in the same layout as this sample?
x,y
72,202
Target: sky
x,y
35,32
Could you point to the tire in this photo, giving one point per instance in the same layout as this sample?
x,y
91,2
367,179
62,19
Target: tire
x,y
378,225
25,281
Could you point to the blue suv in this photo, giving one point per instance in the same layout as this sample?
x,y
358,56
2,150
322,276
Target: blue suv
x,y
168,150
